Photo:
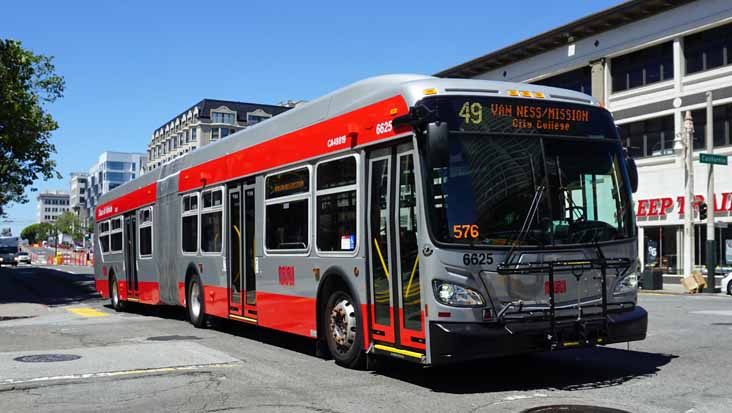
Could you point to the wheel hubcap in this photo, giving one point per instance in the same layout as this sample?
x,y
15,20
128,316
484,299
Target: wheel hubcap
x,y
343,325
115,297
195,300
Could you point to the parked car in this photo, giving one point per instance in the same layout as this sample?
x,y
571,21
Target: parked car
x,y
78,248
23,257
727,283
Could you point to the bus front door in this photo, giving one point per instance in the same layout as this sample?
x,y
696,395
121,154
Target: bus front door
x,y
241,253
130,233
395,294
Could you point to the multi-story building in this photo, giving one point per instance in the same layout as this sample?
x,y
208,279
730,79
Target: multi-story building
x,y
77,193
649,62
51,204
205,122
112,170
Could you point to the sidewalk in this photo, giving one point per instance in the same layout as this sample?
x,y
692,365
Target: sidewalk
x,y
676,289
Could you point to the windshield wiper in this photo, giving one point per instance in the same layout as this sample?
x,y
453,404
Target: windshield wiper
x,y
528,221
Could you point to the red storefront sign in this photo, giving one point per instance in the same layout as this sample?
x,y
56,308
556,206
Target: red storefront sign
x,y
663,206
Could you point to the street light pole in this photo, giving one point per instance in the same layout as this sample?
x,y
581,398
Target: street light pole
x,y
711,259
689,196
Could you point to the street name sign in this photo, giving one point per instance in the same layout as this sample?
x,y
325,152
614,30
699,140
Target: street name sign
x,y
712,159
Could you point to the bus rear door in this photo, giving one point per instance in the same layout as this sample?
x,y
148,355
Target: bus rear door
x,y
241,252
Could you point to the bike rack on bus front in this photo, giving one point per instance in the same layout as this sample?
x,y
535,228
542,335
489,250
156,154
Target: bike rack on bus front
x,y
576,268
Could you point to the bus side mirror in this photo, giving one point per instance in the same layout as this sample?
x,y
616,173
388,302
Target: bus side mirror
x,y
632,172
437,143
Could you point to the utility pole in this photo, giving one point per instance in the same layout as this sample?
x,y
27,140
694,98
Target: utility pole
x,y
689,196
711,259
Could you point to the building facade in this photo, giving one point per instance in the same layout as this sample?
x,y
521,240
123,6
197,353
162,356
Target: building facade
x,y
648,62
112,170
77,194
51,204
205,122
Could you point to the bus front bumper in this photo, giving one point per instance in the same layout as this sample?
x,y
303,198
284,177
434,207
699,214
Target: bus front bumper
x,y
454,342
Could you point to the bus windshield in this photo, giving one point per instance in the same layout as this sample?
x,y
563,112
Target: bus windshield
x,y
481,186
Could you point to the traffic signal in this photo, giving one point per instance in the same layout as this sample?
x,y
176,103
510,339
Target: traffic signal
x,y
702,211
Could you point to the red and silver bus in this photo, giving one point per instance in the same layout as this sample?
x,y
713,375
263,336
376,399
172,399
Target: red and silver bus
x,y
434,220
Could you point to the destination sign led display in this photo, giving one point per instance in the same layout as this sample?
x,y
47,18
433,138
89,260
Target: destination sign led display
x,y
525,116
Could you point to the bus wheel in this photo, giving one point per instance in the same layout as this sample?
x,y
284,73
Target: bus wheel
x,y
196,302
342,320
117,304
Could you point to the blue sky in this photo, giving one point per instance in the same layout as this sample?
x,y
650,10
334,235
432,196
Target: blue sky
x,y
130,66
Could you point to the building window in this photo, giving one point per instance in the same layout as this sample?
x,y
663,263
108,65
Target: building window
x,y
644,67
145,225
287,210
218,117
722,125
220,133
652,137
189,223
115,235
335,201
579,80
256,118
212,215
193,134
708,49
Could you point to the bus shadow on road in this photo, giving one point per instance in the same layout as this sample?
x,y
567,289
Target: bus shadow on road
x,y
299,344
567,370
45,286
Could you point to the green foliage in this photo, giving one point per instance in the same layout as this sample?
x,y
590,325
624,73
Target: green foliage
x,y
37,232
68,223
27,82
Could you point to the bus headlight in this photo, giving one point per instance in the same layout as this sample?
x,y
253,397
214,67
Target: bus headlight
x,y
627,284
456,295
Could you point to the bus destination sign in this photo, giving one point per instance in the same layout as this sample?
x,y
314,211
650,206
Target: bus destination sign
x,y
527,116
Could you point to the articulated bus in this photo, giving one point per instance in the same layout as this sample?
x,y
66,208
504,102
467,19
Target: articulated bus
x,y
433,220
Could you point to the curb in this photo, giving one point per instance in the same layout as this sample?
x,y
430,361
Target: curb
x,y
661,292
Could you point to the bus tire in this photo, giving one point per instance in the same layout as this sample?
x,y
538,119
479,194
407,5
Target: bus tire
x,y
196,302
343,330
117,303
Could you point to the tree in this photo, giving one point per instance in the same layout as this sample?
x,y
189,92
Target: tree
x,y
37,232
68,223
27,82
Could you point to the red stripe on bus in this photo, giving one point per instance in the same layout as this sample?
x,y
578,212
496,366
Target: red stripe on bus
x,y
217,300
103,287
319,139
365,324
289,313
381,332
406,336
127,202
148,292
182,293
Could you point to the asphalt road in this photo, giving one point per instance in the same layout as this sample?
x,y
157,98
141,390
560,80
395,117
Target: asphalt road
x,y
151,358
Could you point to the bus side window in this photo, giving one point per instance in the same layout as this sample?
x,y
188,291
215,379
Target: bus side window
x,y
145,236
212,221
287,210
115,235
189,223
335,203
104,236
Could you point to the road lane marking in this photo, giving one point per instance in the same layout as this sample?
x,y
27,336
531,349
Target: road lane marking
x,y
119,373
87,312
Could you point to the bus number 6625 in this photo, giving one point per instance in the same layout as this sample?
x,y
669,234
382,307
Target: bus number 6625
x,y
477,259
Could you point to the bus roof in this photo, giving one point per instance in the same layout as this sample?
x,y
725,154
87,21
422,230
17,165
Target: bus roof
x,y
347,99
